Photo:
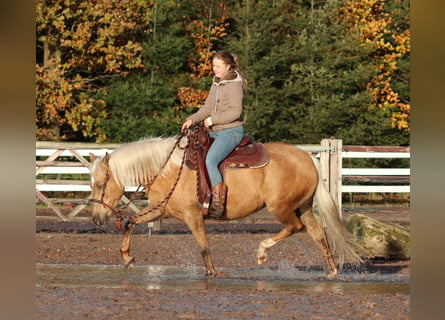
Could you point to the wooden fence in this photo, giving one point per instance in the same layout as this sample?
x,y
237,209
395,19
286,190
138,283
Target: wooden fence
x,y
375,180
64,167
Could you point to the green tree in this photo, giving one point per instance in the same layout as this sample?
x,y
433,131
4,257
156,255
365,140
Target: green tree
x,y
316,68
263,36
308,74
177,56
328,83
385,27
138,107
144,103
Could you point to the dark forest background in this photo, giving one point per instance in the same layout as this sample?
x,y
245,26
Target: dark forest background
x,y
118,71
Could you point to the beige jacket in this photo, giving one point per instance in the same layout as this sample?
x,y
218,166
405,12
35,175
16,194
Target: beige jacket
x,y
224,104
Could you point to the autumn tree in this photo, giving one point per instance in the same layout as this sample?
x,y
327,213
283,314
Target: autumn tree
x,y
205,27
306,79
119,70
177,56
81,45
384,27
309,74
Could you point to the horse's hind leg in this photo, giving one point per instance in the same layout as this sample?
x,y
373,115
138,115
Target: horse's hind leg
x,y
319,236
292,225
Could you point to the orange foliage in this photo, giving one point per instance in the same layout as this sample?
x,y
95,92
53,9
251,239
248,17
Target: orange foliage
x,y
204,33
83,42
190,97
60,101
368,19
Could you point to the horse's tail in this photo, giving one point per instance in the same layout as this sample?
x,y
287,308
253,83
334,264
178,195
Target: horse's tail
x,y
342,243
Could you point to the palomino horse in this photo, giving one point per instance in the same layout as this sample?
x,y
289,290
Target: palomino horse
x,y
286,186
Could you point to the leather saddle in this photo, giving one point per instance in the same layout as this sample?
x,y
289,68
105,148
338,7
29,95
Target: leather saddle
x,y
248,154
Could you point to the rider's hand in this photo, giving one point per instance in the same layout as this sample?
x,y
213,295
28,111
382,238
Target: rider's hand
x,y
208,123
186,125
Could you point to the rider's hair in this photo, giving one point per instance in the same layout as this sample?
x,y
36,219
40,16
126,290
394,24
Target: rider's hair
x,y
231,60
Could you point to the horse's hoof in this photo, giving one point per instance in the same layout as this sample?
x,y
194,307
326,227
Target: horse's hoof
x,y
332,275
261,260
217,275
129,263
221,275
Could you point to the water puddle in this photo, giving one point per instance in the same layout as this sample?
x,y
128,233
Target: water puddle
x,y
283,278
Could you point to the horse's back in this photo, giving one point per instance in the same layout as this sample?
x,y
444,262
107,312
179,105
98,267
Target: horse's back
x,y
283,153
290,174
286,162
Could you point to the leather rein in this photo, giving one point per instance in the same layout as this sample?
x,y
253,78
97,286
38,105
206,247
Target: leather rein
x,y
133,219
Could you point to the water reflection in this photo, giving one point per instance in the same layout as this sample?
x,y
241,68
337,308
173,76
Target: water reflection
x,y
191,277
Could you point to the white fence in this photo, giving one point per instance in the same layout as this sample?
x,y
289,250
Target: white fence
x,y
382,174
58,162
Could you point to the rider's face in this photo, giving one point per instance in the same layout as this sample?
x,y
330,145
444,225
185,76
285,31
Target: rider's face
x,y
220,68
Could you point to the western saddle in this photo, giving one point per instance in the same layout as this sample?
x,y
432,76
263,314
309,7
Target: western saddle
x,y
247,154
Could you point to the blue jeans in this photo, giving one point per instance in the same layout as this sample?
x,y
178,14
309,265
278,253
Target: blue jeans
x,y
225,141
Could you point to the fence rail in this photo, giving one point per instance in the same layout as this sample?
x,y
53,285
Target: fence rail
x,y
58,164
376,180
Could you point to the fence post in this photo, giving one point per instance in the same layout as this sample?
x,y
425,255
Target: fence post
x,y
331,166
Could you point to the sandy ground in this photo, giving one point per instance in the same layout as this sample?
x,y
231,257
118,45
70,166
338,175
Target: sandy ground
x,y
233,246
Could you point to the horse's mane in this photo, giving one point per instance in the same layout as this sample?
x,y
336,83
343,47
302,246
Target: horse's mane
x,y
135,163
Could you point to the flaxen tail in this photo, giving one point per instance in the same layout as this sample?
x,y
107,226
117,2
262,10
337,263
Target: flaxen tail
x,y
343,244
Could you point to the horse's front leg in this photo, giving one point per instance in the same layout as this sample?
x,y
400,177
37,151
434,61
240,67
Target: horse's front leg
x,y
210,270
197,227
144,216
125,247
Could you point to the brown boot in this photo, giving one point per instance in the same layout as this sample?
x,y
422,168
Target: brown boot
x,y
219,192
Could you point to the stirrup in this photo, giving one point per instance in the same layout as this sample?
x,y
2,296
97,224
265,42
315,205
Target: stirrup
x,y
215,215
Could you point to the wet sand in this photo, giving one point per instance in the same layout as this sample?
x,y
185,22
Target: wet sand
x,y
290,285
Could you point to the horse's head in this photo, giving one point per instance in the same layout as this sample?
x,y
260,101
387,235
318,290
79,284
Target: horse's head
x,y
106,192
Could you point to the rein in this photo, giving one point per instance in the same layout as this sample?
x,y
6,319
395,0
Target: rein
x,y
132,219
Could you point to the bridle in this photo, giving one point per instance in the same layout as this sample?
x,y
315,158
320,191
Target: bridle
x,y
140,190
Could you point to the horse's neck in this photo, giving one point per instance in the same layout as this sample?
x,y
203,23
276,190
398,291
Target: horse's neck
x,y
147,161
168,181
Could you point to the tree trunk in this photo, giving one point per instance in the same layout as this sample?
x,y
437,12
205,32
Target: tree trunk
x,y
50,52
383,240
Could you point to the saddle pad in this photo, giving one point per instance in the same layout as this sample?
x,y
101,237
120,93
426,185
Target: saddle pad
x,y
253,155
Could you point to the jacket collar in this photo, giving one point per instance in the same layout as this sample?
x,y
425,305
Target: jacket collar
x,y
237,79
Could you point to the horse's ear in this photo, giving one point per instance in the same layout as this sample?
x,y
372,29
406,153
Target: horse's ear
x,y
92,157
106,157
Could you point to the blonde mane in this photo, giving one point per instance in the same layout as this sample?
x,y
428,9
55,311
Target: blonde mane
x,y
135,163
